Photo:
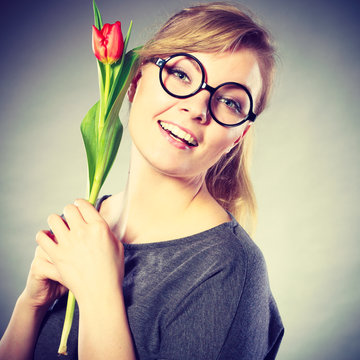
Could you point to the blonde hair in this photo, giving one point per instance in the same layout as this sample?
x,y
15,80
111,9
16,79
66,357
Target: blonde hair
x,y
222,27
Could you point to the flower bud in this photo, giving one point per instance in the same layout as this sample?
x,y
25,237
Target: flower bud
x,y
108,43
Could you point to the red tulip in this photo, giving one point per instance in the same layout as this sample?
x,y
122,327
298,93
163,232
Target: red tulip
x,y
108,43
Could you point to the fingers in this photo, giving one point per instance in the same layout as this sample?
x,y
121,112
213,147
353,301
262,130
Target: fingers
x,y
41,254
57,226
88,212
45,269
76,214
50,234
73,216
47,244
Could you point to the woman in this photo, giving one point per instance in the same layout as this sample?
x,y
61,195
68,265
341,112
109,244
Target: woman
x,y
164,271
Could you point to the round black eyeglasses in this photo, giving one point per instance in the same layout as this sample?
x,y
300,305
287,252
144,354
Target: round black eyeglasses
x,y
182,75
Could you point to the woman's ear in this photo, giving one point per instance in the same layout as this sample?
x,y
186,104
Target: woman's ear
x,y
239,138
243,134
133,86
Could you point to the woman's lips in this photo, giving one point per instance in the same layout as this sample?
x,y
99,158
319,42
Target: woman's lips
x,y
178,133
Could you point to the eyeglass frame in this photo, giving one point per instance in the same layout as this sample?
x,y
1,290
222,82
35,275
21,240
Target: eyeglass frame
x,y
251,116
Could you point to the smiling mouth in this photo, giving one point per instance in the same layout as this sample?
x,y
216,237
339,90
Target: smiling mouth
x,y
178,133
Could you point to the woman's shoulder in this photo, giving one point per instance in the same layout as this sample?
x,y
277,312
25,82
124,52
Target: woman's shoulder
x,y
234,246
234,264
109,207
224,252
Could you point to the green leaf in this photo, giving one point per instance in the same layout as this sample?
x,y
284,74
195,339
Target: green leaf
x,y
109,145
97,16
116,69
89,133
126,42
118,65
122,81
101,76
112,132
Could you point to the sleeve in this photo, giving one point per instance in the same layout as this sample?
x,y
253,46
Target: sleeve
x,y
198,324
229,314
256,331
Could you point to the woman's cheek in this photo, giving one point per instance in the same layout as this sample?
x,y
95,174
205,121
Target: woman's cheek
x,y
223,139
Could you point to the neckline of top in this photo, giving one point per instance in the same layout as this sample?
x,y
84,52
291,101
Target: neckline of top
x,y
177,241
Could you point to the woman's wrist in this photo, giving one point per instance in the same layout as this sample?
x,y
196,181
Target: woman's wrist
x,y
99,298
30,306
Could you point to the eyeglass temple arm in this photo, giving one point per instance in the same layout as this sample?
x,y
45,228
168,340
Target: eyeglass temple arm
x,y
251,117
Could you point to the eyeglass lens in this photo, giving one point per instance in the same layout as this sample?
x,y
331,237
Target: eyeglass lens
x,y
182,76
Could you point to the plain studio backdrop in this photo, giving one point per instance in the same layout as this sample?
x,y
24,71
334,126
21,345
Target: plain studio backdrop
x,y
305,169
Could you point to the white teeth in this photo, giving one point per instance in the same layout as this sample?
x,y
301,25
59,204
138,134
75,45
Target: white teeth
x,y
179,133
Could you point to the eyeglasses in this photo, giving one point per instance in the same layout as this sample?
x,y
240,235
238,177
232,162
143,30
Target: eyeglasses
x,y
182,75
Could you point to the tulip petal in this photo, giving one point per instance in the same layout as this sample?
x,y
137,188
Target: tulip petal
x,y
98,44
115,42
106,30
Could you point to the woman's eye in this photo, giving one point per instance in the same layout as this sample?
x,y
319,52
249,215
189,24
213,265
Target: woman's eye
x,y
179,74
231,104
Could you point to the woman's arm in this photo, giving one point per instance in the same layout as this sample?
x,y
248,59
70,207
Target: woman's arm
x,y
19,339
42,288
91,263
103,328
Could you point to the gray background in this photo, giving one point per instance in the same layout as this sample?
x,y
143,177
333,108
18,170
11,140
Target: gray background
x,y
305,168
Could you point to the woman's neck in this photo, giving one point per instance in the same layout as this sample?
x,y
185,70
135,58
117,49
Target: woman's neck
x,y
157,207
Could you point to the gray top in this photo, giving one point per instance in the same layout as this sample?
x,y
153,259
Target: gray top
x,y
205,296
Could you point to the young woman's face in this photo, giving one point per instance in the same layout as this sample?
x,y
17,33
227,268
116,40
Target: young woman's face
x,y
153,110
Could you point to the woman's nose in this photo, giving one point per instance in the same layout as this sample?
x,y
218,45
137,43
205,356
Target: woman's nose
x,y
196,106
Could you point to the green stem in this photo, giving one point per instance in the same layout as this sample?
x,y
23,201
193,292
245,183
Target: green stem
x,y
95,189
67,324
104,101
107,83
69,315
94,192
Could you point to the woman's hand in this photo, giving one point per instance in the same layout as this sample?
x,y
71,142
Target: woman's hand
x,y
43,284
85,253
42,288
90,261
